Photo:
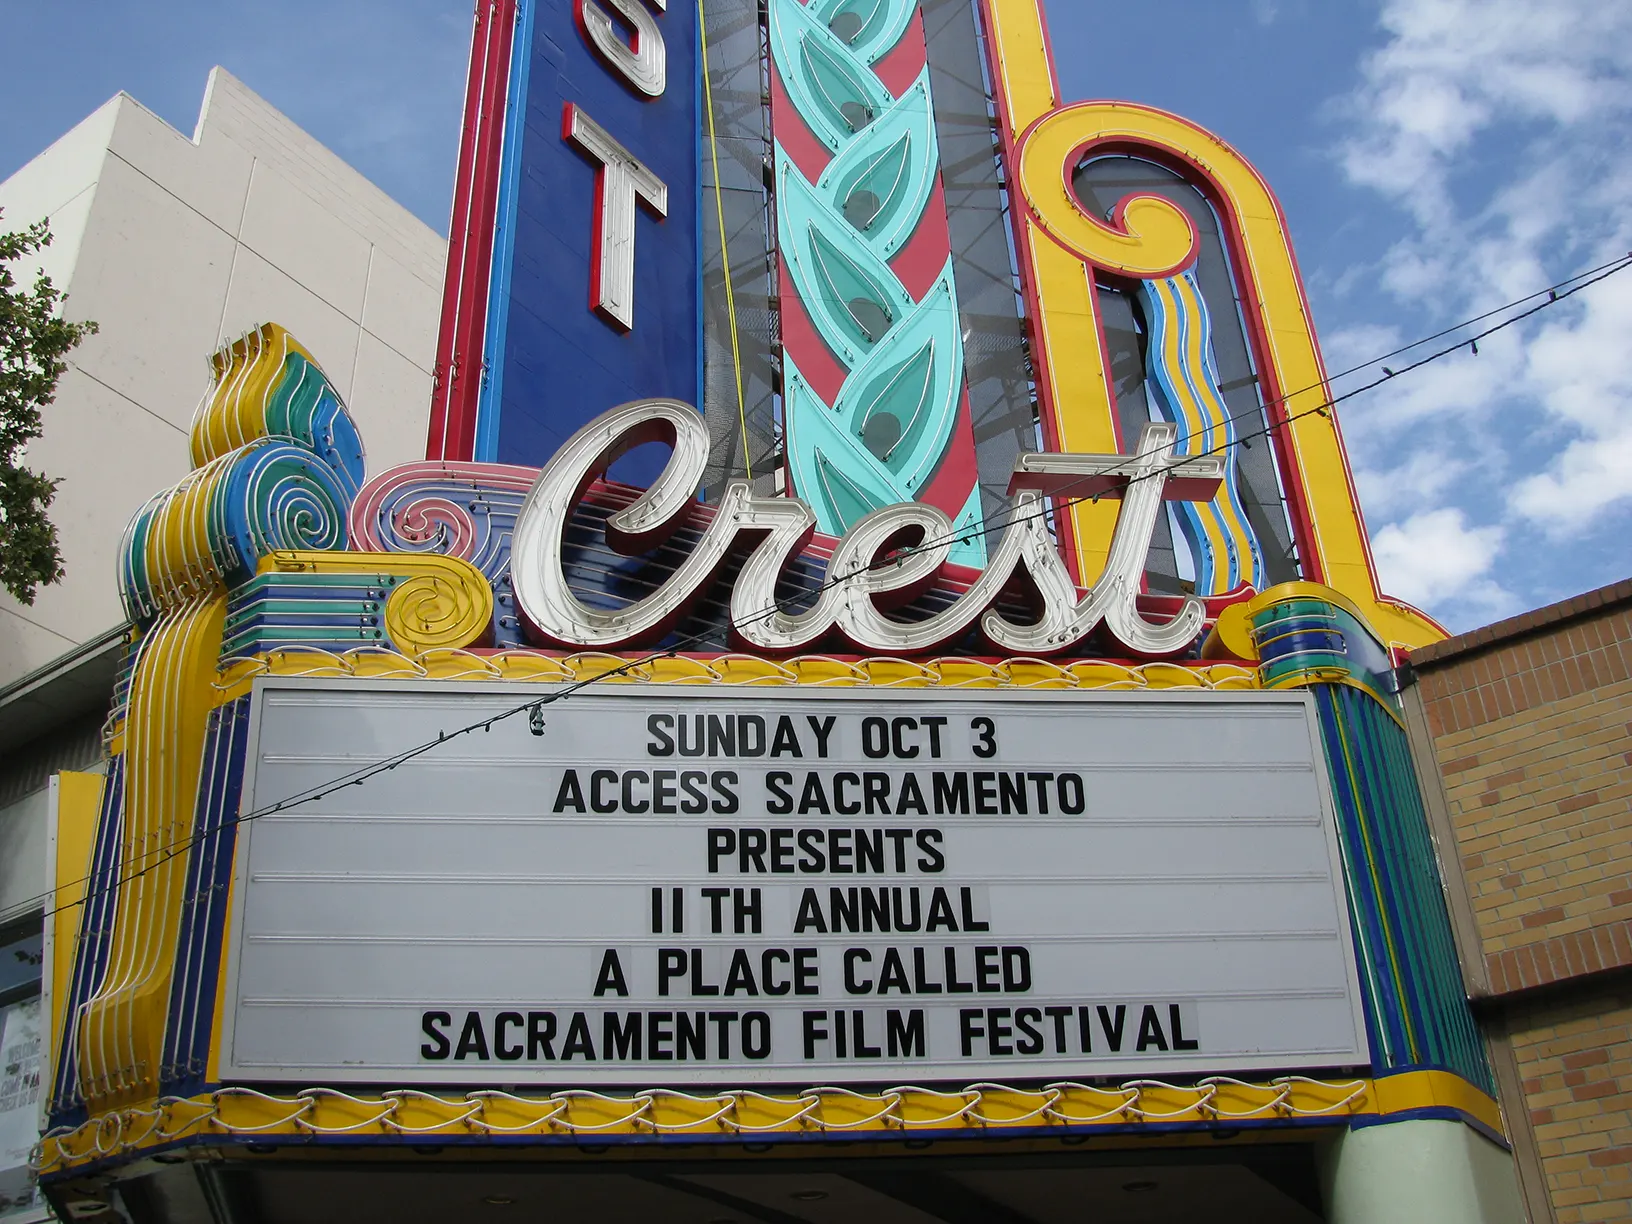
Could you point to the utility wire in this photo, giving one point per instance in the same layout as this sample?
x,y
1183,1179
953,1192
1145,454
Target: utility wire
x,y
1554,294
1614,264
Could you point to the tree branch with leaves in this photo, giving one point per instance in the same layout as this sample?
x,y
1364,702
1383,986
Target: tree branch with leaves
x,y
34,341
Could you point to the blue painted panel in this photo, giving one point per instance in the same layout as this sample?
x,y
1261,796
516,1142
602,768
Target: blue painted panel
x,y
552,362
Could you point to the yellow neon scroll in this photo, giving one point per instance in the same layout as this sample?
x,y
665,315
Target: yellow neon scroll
x,y
1061,246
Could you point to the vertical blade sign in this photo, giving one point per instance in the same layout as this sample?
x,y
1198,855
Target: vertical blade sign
x,y
573,263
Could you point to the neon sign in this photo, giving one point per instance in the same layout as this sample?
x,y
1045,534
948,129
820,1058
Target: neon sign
x,y
965,496
578,192
866,575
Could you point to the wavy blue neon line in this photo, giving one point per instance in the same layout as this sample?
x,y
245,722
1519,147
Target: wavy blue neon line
x,y
1372,809
182,1059
1188,324
1448,1028
1382,1006
1165,383
186,961
192,1012
1206,576
1409,906
491,397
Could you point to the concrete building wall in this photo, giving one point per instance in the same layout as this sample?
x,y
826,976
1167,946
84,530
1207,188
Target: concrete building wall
x,y
176,245
1530,723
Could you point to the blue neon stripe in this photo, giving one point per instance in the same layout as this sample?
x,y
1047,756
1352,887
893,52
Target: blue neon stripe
x,y
504,245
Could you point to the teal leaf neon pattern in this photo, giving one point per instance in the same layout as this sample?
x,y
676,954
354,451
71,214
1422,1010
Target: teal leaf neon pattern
x,y
882,180
844,284
892,423
831,87
888,428
870,28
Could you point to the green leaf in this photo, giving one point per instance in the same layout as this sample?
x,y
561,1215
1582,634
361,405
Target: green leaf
x,y
35,341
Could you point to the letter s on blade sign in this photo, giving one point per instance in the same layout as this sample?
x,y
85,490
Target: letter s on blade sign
x,y
643,60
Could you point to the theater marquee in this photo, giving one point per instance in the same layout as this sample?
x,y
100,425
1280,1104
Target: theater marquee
x,y
981,714
790,888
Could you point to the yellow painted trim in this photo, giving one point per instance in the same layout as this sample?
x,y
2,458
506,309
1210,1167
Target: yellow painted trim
x,y
409,1116
121,1029
1026,70
1155,238
1085,420
1287,591
1231,635
820,671
1411,1091
79,803
244,372
1312,443
445,604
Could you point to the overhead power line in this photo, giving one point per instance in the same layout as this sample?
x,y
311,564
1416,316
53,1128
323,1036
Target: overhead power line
x,y
1551,296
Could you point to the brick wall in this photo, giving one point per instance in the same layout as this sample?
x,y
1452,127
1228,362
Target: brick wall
x,y
1533,733
1531,725
1575,1064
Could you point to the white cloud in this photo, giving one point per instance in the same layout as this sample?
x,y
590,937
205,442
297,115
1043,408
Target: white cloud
x,y
1589,475
1503,130
1453,67
1436,558
1423,479
1360,343
1582,371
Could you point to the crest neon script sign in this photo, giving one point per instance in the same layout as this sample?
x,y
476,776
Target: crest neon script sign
x,y
883,562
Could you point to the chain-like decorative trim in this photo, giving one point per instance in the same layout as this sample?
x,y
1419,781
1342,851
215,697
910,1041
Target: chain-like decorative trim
x,y
246,1113
826,671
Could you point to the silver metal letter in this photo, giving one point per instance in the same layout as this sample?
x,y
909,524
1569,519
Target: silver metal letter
x,y
556,616
865,581
1142,480
619,180
536,561
643,60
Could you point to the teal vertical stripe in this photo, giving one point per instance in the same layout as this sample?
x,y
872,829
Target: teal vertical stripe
x,y
1415,1000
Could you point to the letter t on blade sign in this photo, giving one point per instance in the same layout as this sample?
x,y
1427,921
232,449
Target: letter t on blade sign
x,y
1143,480
1096,476
619,179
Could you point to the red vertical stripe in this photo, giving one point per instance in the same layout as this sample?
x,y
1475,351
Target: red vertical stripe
x,y
458,379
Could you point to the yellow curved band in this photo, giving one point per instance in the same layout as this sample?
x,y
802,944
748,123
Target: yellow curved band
x,y
243,373
1071,351
230,1116
443,603
1154,237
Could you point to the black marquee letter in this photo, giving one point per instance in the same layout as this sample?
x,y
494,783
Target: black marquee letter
x,y
611,976
431,1024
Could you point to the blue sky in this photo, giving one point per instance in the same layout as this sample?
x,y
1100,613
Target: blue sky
x,y
1435,158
